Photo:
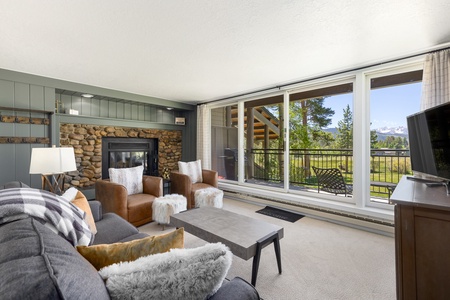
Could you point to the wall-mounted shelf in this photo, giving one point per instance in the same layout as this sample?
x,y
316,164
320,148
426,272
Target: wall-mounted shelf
x,y
27,110
24,140
24,120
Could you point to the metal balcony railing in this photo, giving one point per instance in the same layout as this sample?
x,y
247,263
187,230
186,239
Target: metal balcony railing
x,y
387,166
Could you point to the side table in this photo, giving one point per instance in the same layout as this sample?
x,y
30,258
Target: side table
x,y
166,186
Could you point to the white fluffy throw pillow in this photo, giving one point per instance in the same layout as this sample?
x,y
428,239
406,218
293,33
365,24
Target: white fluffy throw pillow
x,y
131,178
70,194
193,169
179,274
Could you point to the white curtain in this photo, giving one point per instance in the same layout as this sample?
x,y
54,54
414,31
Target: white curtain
x,y
436,79
204,135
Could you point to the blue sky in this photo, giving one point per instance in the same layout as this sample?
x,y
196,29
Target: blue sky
x,y
389,106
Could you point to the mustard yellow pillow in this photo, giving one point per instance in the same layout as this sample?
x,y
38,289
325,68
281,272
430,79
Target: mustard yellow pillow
x,y
81,202
107,254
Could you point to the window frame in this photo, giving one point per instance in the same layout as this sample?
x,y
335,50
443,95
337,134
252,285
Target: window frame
x,y
361,201
381,72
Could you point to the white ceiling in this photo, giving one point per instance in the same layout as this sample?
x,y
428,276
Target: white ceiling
x,y
200,50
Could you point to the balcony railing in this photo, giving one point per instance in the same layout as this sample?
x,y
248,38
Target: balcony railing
x,y
386,166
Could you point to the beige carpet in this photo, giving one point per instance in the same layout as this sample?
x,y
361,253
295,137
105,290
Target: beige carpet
x,y
320,260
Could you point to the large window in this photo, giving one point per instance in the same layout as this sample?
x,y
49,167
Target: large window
x,y
392,99
321,136
354,123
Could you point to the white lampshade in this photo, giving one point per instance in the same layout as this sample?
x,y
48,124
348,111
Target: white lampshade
x,y
52,160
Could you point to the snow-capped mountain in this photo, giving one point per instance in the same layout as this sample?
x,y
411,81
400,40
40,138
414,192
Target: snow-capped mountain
x,y
400,130
382,132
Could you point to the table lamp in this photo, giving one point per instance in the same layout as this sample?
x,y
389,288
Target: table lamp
x,y
51,163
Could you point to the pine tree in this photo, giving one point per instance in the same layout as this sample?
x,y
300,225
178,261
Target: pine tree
x,y
307,118
373,139
344,136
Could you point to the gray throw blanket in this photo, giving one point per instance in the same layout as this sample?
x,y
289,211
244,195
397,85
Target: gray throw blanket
x,y
53,211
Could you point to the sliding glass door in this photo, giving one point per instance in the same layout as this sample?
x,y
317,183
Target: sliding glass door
x,y
264,141
224,142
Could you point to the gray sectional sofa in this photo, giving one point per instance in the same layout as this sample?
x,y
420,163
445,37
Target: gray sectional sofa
x,y
36,263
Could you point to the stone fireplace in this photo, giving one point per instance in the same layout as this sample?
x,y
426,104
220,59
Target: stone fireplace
x,y
87,143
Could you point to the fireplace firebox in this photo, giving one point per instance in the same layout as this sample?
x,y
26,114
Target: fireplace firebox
x,y
128,153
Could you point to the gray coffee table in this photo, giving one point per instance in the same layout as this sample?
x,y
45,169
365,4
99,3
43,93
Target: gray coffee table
x,y
245,236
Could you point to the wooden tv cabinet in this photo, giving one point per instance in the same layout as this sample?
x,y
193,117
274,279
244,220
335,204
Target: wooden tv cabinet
x,y
422,240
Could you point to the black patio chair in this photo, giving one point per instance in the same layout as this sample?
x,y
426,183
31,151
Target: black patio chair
x,y
331,181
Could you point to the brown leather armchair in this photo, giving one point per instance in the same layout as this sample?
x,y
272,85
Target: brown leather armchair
x,y
182,184
137,208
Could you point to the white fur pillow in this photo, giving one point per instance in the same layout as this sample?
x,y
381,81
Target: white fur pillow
x,y
193,169
179,274
70,194
131,178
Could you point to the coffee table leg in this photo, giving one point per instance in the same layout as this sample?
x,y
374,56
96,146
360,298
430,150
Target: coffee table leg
x,y
255,265
276,245
260,244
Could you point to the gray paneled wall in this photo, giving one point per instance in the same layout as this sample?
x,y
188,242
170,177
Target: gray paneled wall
x,y
117,109
15,158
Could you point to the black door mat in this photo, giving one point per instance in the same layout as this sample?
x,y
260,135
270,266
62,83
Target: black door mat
x,y
280,214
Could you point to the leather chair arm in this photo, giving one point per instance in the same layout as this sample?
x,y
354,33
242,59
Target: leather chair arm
x,y
153,185
210,177
180,184
112,196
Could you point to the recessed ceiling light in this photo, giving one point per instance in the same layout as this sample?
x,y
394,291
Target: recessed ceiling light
x,y
169,108
87,95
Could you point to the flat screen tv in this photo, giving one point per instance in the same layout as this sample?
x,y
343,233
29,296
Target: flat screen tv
x,y
429,143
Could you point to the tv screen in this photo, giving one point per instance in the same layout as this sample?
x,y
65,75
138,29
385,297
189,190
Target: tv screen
x,y
429,141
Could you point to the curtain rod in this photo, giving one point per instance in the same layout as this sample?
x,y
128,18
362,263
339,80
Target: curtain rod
x,y
327,75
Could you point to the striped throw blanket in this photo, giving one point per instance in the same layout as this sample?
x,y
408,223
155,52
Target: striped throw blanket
x,y
53,211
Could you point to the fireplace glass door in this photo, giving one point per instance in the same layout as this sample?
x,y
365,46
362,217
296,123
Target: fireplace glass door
x,y
129,153
121,159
